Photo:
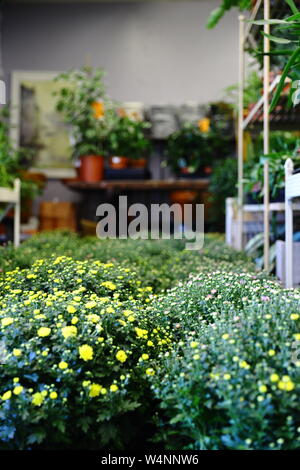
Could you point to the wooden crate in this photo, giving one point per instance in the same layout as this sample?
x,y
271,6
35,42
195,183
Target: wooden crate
x,y
57,215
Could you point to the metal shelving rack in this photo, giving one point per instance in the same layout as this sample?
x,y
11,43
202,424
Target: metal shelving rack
x,y
244,34
249,33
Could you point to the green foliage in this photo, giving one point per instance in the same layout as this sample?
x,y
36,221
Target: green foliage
x,y
12,161
222,185
190,149
86,109
209,363
79,347
233,381
225,6
252,91
254,173
287,34
127,139
159,263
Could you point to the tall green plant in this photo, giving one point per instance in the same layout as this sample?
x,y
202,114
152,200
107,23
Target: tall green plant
x,y
289,35
86,108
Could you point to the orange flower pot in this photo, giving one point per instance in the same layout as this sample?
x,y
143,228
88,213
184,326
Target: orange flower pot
x,y
91,168
138,163
118,163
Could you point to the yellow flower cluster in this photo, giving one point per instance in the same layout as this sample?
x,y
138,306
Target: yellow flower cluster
x,y
86,352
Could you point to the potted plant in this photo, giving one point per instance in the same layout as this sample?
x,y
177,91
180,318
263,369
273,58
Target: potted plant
x,y
13,164
188,151
283,144
127,144
90,115
254,177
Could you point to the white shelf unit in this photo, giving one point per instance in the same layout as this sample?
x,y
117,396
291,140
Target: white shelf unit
x,y
232,218
13,196
292,191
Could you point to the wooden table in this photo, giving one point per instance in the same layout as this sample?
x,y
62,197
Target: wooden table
x,y
139,191
142,185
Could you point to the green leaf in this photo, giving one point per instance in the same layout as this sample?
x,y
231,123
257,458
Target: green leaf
x,y
276,39
263,22
215,17
293,17
292,60
292,6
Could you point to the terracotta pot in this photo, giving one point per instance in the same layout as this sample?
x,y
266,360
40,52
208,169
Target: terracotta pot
x,y
183,196
207,170
184,171
91,168
118,163
138,163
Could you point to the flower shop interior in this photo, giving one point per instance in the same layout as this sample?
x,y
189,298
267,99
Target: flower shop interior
x,y
128,127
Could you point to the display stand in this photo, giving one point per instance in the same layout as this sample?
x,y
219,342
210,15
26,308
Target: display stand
x,y
13,197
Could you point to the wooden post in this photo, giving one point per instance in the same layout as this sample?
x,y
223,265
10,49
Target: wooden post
x,y
289,167
17,215
241,131
229,220
266,136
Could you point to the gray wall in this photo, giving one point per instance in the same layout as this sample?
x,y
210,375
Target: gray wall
x,y
154,52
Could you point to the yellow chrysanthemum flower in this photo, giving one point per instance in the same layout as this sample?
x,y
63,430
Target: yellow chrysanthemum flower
x,y
17,352
17,390
86,352
141,333
71,309
37,399
44,331
204,125
7,321
109,285
121,356
68,331
95,390
63,365
6,395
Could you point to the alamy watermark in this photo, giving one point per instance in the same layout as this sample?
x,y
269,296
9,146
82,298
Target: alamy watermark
x,y
160,221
